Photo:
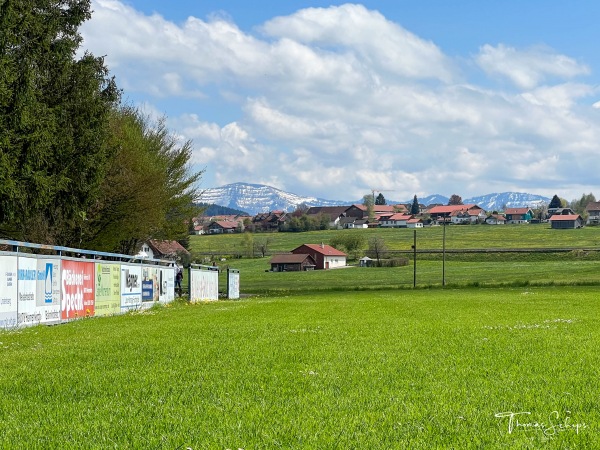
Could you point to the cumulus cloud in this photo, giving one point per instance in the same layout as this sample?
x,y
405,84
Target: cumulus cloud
x,y
333,101
528,68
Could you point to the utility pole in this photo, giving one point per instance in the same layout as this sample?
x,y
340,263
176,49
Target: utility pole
x,y
414,259
444,253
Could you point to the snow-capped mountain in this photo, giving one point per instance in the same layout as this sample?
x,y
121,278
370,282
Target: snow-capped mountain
x,y
497,202
257,198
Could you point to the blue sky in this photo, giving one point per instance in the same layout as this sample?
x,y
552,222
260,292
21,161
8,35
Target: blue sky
x,y
333,99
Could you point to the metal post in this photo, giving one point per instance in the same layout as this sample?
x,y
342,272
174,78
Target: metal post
x,y
444,254
415,259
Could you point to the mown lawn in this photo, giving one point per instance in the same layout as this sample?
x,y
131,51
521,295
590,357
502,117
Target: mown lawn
x,y
415,369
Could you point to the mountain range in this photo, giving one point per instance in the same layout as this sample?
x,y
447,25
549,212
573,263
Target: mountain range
x,y
257,198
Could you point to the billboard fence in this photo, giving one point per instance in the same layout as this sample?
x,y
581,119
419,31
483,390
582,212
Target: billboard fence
x,y
42,284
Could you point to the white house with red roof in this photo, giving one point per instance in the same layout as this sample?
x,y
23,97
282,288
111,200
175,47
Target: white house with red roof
x,y
445,212
325,256
398,220
414,223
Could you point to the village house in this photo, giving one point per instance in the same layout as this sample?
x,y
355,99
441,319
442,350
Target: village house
x,y
290,262
335,214
496,219
518,215
471,213
414,223
593,210
325,256
158,249
224,227
398,220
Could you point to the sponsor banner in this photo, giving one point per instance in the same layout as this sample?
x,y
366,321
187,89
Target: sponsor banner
x,y
108,289
26,292
48,289
167,284
77,285
233,284
8,291
204,285
131,287
150,284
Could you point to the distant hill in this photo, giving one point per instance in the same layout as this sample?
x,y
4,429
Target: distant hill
x,y
218,210
257,198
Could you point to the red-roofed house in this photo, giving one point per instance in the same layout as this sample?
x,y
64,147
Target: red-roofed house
x,y
292,263
564,221
518,215
325,256
398,220
414,223
445,211
223,226
155,249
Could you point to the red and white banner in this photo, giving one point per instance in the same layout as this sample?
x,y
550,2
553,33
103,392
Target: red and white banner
x,y
77,285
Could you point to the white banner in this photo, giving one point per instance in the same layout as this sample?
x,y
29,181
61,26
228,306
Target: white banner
x,y
167,284
131,287
204,285
233,284
8,291
48,289
27,291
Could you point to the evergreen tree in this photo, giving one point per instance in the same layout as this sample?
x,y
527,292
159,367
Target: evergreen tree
x,y
414,208
455,200
380,200
555,202
54,114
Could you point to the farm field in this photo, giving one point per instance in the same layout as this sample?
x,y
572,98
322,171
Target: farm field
x,y
415,369
457,237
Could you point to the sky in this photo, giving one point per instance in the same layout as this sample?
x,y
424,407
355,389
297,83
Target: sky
x,y
334,100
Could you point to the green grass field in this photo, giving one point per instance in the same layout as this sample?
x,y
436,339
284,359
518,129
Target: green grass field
x,y
402,369
457,237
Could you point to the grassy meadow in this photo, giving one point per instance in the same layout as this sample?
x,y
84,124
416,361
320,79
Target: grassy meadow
x,y
505,355
415,369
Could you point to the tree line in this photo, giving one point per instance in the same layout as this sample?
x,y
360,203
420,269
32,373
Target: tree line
x,y
78,167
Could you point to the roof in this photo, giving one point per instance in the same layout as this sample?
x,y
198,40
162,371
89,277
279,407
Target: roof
x,y
400,216
414,220
517,210
323,249
593,206
447,209
166,248
564,217
290,258
226,224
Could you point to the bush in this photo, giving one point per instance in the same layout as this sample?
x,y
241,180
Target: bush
x,y
392,262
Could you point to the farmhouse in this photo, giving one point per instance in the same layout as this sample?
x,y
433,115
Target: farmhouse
x,y
325,256
414,223
496,219
518,215
398,220
443,212
335,213
156,249
593,210
221,227
292,263
564,221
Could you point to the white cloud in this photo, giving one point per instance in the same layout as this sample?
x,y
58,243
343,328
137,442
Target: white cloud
x,y
528,68
335,101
